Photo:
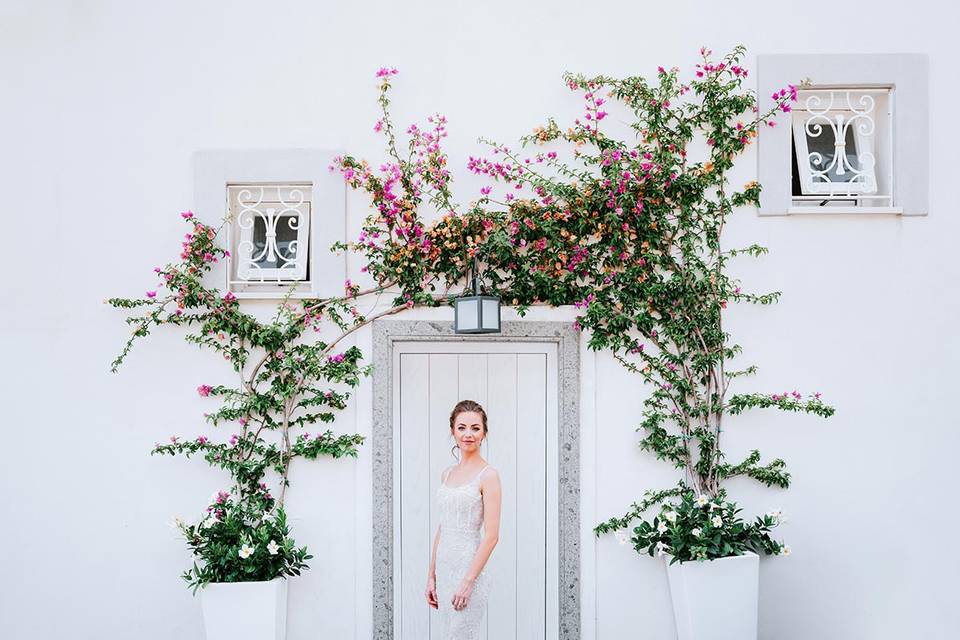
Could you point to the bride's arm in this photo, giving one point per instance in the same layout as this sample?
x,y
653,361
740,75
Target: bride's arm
x,y
433,556
490,490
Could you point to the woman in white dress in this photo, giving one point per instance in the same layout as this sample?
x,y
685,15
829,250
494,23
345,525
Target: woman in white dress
x,y
468,497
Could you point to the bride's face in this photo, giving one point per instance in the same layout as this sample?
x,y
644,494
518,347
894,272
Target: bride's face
x,y
468,430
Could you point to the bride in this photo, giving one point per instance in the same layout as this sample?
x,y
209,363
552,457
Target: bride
x,y
468,497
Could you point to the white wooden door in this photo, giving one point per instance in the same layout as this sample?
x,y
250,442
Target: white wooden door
x,y
516,383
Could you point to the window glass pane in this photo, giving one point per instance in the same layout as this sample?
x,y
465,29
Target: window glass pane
x,y
822,154
285,251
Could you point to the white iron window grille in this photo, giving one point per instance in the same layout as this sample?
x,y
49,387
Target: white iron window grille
x,y
269,233
842,148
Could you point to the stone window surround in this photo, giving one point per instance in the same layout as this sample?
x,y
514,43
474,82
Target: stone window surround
x,y
907,73
214,169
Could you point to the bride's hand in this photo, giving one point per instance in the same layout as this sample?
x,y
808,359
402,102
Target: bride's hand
x,y
462,596
431,593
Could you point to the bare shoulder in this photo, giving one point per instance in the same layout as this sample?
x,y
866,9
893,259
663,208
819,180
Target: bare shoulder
x,y
489,477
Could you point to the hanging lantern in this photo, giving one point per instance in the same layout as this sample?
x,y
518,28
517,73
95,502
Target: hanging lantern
x,y
476,313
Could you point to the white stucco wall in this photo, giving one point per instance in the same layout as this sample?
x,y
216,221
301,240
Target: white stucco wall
x,y
105,104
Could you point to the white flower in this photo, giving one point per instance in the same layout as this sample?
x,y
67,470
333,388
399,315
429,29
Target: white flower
x,y
662,527
716,521
621,537
210,521
269,517
662,549
245,551
177,524
785,550
670,516
701,500
181,528
273,547
695,533
777,515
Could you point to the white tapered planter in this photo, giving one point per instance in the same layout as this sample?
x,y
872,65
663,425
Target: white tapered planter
x,y
245,610
715,599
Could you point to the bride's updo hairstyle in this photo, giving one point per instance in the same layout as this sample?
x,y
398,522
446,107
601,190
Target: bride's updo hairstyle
x,y
466,405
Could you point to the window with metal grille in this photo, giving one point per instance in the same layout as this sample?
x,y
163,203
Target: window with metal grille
x,y
269,234
842,149
856,139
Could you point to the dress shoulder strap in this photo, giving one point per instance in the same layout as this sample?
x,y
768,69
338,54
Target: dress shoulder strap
x,y
481,472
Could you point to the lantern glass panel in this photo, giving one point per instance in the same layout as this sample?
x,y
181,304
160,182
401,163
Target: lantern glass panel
x,y
468,314
491,314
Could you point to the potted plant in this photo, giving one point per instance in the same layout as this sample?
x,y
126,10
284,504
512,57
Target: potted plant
x,y
679,346
242,549
242,554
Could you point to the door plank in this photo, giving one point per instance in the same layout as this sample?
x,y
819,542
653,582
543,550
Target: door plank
x,y
414,511
531,493
501,411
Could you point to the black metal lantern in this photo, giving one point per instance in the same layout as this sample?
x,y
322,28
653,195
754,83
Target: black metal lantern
x,y
476,313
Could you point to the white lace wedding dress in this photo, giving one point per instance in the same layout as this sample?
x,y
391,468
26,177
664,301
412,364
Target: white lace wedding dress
x,y
461,515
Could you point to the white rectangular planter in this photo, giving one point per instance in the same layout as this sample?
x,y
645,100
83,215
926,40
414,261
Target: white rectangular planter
x,y
715,599
245,610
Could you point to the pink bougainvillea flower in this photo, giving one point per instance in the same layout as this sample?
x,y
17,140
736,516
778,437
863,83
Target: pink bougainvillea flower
x,y
384,72
151,294
202,440
233,440
204,390
186,215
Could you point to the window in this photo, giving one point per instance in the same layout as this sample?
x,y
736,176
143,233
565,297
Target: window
x,y
841,153
282,211
857,136
269,233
